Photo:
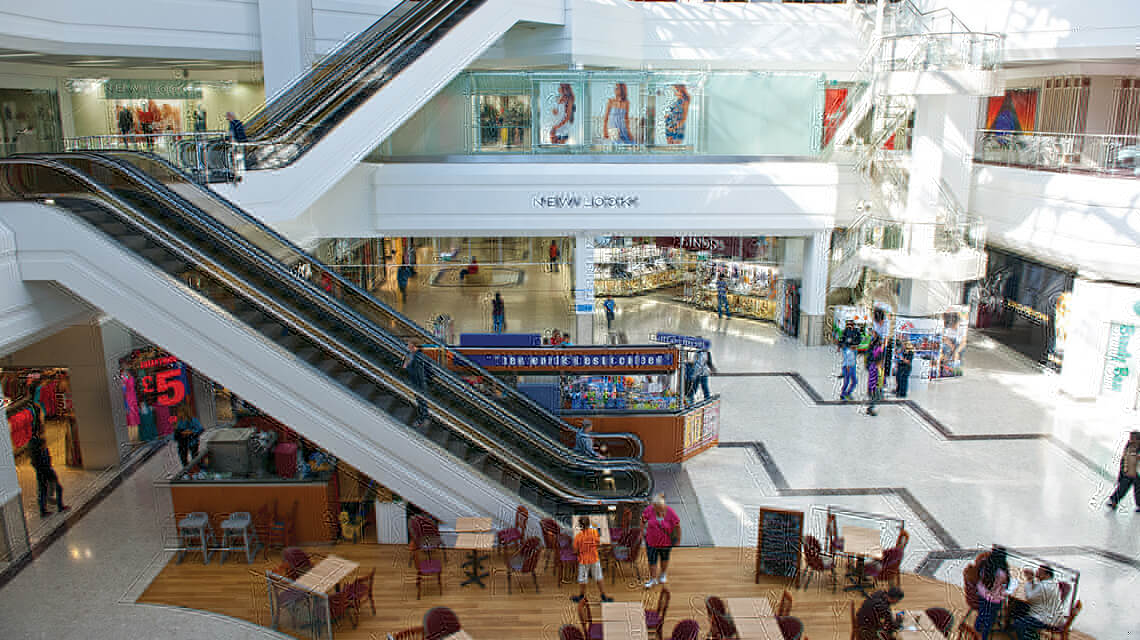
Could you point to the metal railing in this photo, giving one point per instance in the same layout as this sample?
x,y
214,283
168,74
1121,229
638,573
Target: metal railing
x,y
1099,154
208,156
923,238
939,51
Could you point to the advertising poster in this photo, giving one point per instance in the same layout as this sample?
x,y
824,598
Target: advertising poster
x,y
559,113
924,335
617,116
693,426
675,124
954,324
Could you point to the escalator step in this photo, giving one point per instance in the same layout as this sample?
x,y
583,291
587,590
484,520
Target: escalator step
x,y
250,317
383,400
347,378
134,243
290,342
510,481
153,253
307,354
404,414
174,266
528,493
328,366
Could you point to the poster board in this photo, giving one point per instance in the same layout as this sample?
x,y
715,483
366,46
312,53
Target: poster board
x,y
778,543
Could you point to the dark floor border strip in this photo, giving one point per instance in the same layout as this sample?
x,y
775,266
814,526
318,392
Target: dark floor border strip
x,y
925,416
77,513
934,560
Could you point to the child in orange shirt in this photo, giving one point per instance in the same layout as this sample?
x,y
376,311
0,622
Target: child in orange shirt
x,y
586,546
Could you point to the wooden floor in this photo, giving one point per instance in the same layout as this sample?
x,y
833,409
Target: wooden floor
x,y
238,589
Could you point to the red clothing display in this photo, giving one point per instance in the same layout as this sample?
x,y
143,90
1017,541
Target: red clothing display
x,y
20,426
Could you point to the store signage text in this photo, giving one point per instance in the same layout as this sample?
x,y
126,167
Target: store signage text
x,y
556,361
584,201
692,342
166,385
1118,357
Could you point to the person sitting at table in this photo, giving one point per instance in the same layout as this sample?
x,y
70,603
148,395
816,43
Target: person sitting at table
x,y
874,620
1046,606
586,546
470,269
993,578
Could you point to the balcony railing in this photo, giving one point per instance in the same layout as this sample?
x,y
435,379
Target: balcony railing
x,y
1107,155
206,156
947,51
923,238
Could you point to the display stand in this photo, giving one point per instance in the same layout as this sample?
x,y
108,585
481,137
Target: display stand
x,y
778,543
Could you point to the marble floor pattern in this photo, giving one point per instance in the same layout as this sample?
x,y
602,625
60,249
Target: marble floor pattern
x,y
994,457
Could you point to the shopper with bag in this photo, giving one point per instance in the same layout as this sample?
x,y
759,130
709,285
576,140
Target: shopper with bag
x,y
662,532
498,314
46,479
1128,475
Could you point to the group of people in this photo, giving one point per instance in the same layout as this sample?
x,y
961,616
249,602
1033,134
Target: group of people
x,y
1042,607
875,350
662,531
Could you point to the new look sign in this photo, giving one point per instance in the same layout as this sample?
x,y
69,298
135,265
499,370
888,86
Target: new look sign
x,y
583,201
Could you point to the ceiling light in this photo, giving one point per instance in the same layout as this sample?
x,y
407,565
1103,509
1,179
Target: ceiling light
x,y
111,61
19,55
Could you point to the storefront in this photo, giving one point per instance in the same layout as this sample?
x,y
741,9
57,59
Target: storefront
x,y
102,106
46,392
155,386
1102,343
628,389
1024,305
29,121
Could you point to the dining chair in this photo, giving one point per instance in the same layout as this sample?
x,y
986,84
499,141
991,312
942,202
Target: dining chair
x,y
439,623
570,632
425,568
590,630
513,536
720,625
525,561
888,569
1061,632
628,551
686,630
341,606
550,530
942,618
655,618
566,559
815,562
785,608
791,627
413,633
427,536
361,590
966,631
297,560
903,538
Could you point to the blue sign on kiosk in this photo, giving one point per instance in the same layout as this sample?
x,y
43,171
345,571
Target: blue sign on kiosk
x,y
505,340
692,342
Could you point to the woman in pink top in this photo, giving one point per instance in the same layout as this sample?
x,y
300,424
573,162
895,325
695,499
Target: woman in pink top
x,y
662,533
992,580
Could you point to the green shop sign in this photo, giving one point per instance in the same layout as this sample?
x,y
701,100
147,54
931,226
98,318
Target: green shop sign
x,y
151,89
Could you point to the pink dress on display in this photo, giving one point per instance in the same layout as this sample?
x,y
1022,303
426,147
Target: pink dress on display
x,y
131,400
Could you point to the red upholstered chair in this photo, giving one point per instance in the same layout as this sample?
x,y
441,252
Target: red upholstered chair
x,y
590,629
439,623
791,627
550,531
655,618
720,625
341,606
816,562
942,618
903,538
361,590
888,569
525,561
425,568
686,630
298,562
414,633
628,551
785,608
1061,632
570,632
566,559
512,537
427,536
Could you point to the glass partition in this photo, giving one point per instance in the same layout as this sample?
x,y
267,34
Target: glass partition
x,y
727,113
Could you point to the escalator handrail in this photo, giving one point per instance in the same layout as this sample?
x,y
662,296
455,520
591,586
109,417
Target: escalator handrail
x,y
314,334
633,440
331,64
414,25
332,305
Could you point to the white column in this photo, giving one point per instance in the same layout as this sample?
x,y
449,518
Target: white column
x,y
584,288
813,293
286,41
13,528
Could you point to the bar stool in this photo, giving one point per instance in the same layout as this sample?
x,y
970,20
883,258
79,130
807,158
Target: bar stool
x,y
239,524
195,527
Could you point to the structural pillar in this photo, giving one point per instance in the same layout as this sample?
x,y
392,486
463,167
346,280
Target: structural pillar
x,y
286,41
13,528
813,293
583,289
942,153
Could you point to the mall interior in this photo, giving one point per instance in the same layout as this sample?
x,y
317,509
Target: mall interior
x,y
334,318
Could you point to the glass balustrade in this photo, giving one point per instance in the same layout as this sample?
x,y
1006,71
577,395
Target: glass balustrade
x,y
1097,154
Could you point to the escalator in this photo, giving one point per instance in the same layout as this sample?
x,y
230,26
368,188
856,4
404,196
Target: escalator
x,y
327,333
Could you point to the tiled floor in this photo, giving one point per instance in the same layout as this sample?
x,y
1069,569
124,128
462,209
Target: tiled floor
x,y
995,457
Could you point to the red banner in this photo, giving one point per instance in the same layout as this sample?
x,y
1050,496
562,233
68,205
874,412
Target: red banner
x,y
723,246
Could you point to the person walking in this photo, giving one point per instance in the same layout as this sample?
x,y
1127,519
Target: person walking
x,y
608,306
403,275
850,366
417,368
874,359
187,432
586,548
992,582
126,122
902,371
554,254
498,314
46,479
1127,476
662,532
237,129
702,364
722,297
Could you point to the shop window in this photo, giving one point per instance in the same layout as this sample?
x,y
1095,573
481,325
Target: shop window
x,y
504,123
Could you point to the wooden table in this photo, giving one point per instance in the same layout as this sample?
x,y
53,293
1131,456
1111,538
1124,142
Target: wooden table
x,y
742,608
475,536
922,629
459,635
758,628
599,522
624,621
861,543
327,574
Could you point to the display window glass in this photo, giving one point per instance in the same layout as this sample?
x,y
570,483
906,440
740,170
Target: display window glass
x,y
620,393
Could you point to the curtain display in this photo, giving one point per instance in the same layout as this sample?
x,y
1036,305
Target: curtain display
x,y
1016,110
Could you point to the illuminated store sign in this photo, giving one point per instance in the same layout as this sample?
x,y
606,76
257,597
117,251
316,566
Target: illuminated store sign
x,y
556,360
584,201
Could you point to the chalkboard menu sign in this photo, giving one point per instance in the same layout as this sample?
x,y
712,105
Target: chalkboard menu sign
x,y
778,543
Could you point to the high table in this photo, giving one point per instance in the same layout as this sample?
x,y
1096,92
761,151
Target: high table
x,y
475,536
624,621
861,543
753,618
